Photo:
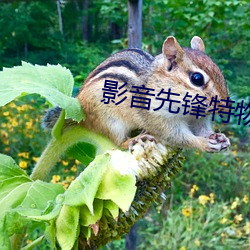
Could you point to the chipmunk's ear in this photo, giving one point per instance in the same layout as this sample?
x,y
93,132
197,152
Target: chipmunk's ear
x,y
197,43
171,49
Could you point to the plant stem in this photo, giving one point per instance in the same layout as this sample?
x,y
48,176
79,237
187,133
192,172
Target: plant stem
x,y
57,147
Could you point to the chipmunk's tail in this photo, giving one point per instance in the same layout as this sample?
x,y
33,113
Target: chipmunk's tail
x,y
50,117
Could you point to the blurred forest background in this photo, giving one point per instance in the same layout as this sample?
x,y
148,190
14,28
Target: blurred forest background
x,y
207,206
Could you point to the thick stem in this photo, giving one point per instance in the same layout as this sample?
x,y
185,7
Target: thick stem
x,y
57,147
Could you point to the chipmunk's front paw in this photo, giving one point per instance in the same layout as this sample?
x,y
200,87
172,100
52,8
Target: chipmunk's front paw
x,y
218,142
141,139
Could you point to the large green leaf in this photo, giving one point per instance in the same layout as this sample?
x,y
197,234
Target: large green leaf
x,y
39,194
67,226
86,218
53,82
20,197
118,188
6,186
103,181
9,168
83,189
83,152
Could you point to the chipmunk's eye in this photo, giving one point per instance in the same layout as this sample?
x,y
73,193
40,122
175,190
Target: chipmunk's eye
x,y
197,79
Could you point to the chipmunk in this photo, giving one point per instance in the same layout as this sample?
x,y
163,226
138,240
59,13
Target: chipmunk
x,y
183,70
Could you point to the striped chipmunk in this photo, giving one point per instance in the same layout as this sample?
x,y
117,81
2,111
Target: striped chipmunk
x,y
187,72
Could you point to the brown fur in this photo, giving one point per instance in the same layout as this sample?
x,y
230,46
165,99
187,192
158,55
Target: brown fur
x,y
168,70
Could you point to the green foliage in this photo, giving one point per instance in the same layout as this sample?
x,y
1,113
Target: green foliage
x,y
52,82
30,32
24,200
201,223
19,198
223,25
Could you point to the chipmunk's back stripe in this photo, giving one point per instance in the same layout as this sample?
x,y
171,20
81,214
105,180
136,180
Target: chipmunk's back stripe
x,y
118,63
142,53
119,77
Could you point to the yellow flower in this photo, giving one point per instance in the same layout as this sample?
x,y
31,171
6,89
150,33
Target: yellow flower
x,y
6,141
238,233
6,149
70,178
4,134
24,154
238,218
193,190
234,152
65,185
203,199
29,124
183,248
77,162
197,242
238,159
23,164
235,203
55,178
247,227
14,123
35,159
225,164
223,220
65,163
245,199
12,105
6,113
211,195
223,235
73,168
23,107
187,211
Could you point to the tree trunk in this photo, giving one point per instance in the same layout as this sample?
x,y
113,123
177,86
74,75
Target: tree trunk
x,y
85,28
131,238
59,16
135,23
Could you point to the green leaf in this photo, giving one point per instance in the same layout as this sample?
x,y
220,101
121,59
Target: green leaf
x,y
83,152
50,234
20,197
4,240
112,208
58,127
53,82
67,226
39,194
14,223
118,188
83,189
49,214
9,168
26,202
86,218
14,198
6,186
86,231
